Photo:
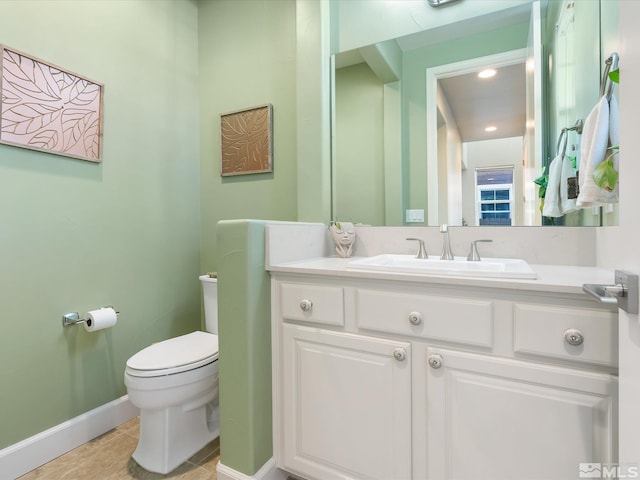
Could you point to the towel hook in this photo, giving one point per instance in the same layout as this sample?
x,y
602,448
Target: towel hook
x,y
606,85
578,127
564,133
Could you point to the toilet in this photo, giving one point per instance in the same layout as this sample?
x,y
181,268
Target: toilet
x,y
174,383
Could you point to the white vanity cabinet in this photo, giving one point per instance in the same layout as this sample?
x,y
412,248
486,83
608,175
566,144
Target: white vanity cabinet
x,y
381,379
342,401
496,418
347,405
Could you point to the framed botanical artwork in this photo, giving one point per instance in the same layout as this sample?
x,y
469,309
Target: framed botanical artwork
x,y
47,108
246,141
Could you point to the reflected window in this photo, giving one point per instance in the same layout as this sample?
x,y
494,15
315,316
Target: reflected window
x,y
494,196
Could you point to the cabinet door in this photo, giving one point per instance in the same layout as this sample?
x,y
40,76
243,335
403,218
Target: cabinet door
x,y
502,419
346,405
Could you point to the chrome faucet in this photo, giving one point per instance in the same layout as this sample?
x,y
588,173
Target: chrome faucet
x,y
474,256
422,251
447,254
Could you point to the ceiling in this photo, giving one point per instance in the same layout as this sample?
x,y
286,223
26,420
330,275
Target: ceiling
x,y
477,103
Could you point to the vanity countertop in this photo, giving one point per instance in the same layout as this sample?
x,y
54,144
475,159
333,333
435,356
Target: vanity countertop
x,y
550,278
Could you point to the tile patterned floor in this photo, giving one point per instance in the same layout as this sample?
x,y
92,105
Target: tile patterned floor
x,y
108,457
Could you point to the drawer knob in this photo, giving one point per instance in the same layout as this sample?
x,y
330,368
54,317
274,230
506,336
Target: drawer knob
x,y
415,318
435,361
573,336
306,305
400,354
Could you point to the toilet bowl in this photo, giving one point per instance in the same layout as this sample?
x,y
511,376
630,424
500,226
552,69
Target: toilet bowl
x,y
174,383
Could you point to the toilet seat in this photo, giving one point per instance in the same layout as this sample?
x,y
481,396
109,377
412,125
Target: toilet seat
x,y
175,355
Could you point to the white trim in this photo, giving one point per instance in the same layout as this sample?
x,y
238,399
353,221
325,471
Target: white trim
x,y
267,472
24,456
444,71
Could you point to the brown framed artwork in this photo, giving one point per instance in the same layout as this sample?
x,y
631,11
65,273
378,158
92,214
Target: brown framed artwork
x,y
47,108
246,141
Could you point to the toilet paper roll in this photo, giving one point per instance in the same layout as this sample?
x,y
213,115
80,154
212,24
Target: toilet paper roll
x,y
100,319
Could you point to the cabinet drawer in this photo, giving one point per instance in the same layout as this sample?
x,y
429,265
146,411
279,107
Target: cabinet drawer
x,y
540,330
461,320
312,303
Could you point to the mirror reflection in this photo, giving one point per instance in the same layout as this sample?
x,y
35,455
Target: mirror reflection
x,y
479,156
410,113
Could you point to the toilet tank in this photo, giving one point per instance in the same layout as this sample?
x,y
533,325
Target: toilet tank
x,y
210,295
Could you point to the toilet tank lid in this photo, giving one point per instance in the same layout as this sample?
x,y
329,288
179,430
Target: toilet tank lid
x,y
209,278
174,352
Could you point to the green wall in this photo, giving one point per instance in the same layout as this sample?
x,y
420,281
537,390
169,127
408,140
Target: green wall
x,y
245,347
136,230
359,146
76,235
246,58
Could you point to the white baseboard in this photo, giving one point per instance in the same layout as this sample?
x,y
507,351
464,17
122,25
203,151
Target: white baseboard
x,y
267,472
24,456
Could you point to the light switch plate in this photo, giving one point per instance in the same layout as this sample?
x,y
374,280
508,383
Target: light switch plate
x,y
414,216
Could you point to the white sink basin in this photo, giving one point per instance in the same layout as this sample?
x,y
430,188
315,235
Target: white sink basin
x,y
459,266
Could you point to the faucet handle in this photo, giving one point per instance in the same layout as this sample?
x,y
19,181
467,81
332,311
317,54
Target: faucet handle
x,y
474,256
422,251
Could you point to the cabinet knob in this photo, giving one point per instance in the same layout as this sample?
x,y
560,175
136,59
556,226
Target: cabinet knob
x,y
415,318
400,354
306,305
573,336
435,361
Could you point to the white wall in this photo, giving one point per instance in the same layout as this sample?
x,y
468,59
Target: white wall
x,y
617,247
449,166
491,153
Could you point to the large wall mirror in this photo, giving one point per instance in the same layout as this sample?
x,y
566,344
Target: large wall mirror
x,y
420,138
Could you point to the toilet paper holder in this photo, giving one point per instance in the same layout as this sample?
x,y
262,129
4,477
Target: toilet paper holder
x,y
73,318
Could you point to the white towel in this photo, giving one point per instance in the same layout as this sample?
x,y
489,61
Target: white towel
x,y
595,138
614,140
551,206
614,121
567,205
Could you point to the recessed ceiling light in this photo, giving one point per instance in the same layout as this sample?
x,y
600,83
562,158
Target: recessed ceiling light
x,y
491,129
488,73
